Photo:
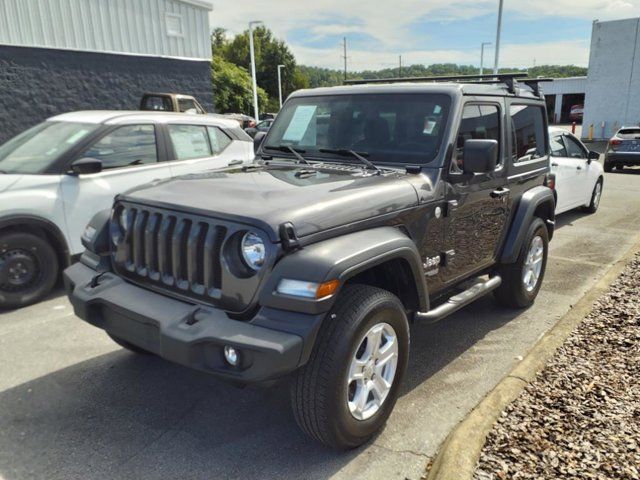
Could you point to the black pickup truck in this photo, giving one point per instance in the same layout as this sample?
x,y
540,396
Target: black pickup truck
x,y
369,207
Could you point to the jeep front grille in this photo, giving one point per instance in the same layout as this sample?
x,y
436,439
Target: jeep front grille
x,y
170,250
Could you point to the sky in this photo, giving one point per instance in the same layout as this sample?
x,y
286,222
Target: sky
x,y
535,32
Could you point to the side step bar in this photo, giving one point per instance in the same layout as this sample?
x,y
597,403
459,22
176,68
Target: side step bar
x,y
460,300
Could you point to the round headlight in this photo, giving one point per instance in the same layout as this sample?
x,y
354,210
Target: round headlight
x,y
253,251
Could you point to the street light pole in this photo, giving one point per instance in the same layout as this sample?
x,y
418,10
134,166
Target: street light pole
x,y
280,67
498,32
482,56
256,112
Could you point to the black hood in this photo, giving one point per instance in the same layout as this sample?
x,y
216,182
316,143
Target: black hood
x,y
268,196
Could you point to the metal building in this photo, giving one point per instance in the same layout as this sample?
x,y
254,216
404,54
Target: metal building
x,y
169,28
562,94
613,85
63,55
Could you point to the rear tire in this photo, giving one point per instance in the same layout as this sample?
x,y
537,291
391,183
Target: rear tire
x,y
344,394
521,280
596,195
29,269
129,346
608,167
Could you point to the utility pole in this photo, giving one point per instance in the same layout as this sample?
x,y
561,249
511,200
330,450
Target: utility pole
x,y
280,67
498,32
344,45
482,56
399,66
256,112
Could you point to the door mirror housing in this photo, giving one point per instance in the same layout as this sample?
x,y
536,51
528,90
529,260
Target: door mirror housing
x,y
480,156
86,166
257,140
593,156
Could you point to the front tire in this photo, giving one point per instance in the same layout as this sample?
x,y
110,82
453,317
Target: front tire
x,y
596,195
28,269
521,280
344,394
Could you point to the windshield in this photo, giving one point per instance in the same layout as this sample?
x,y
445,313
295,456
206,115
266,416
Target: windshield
x,y
386,128
36,149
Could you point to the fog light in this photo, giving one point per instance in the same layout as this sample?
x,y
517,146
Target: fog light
x,y
231,355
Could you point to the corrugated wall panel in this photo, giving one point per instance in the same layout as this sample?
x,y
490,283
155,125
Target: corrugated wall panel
x,y
124,26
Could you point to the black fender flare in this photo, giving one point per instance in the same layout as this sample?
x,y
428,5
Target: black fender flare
x,y
538,201
50,229
342,258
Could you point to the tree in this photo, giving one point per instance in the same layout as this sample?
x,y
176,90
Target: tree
x,y
232,90
270,52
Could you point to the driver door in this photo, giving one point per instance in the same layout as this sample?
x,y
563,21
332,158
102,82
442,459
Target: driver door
x,y
578,162
478,204
129,156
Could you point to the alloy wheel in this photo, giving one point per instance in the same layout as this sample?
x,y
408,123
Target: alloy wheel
x,y
533,264
372,371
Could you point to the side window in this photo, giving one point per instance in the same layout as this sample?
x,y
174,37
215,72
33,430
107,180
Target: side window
x,y
187,105
219,140
573,148
154,103
479,122
557,147
189,141
528,133
126,146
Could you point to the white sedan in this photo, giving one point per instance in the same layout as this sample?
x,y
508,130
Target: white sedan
x,y
579,176
55,176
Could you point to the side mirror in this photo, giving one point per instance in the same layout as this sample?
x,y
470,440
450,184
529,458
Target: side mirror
x,y
85,166
480,156
593,156
257,141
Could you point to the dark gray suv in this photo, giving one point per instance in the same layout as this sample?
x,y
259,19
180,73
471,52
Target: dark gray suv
x,y
370,207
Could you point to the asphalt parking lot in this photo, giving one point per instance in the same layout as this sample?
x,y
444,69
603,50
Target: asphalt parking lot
x,y
75,405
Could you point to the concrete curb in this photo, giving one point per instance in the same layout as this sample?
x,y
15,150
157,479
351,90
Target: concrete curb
x,y
459,454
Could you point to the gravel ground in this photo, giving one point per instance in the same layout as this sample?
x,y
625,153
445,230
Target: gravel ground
x,y
580,418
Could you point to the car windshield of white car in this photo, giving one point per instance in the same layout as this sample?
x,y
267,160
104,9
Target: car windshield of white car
x,y
34,150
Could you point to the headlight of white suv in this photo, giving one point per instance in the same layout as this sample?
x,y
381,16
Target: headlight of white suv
x,y
253,250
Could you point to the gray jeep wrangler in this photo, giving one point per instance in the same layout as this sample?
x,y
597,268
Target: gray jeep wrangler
x,y
369,207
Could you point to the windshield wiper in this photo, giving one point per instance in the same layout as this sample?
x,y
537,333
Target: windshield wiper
x,y
296,152
346,152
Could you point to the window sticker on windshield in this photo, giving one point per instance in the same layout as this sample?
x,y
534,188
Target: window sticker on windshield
x,y
299,123
437,109
429,125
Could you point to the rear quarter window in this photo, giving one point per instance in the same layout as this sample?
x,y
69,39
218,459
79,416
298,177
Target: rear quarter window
x,y
629,133
528,133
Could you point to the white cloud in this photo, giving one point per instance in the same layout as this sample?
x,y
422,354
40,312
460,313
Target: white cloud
x,y
389,21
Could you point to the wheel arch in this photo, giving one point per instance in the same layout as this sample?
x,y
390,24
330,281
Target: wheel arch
x,y
537,202
384,257
44,229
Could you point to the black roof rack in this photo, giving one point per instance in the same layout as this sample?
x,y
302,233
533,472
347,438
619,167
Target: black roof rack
x,y
507,78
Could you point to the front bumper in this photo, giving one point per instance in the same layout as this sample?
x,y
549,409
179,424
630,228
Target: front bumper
x,y
272,344
622,158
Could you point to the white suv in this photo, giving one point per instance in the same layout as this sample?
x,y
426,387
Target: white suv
x,y
55,176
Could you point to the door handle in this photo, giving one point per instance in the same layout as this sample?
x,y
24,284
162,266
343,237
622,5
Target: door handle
x,y
578,167
235,162
554,164
500,193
